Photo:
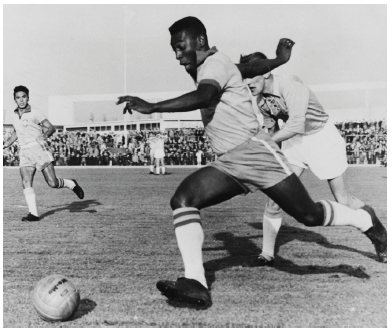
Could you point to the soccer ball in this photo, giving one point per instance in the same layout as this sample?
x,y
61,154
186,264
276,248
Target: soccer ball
x,y
55,298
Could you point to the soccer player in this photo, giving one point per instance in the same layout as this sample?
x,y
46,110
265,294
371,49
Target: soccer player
x,y
309,139
28,125
159,154
249,160
152,141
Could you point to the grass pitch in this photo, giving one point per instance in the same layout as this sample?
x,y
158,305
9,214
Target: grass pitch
x,y
119,241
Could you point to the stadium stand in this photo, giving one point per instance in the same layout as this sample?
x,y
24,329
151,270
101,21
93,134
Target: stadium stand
x,y
366,143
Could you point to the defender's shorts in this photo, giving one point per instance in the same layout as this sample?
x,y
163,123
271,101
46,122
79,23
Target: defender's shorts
x,y
152,154
323,152
256,164
35,154
159,153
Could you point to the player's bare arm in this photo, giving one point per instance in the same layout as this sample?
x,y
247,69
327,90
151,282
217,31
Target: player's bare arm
x,y
10,141
48,128
203,97
263,66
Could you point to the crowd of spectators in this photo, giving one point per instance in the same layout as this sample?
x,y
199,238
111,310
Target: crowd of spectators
x,y
366,143
94,148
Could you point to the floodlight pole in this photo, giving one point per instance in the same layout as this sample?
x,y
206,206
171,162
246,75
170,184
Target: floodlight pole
x,y
125,69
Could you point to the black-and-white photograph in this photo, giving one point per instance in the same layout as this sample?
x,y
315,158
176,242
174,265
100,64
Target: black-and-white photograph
x,y
194,165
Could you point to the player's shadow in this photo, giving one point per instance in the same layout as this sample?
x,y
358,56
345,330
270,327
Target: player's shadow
x,y
290,233
241,249
80,206
85,307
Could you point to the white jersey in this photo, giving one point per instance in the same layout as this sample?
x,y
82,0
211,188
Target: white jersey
x,y
27,126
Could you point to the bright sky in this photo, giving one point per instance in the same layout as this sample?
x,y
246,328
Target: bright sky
x,y
79,49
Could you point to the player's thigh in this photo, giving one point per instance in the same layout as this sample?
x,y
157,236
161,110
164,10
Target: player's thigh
x,y
293,198
27,174
272,209
205,187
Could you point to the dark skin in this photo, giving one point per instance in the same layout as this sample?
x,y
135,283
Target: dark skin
x,y
185,46
209,186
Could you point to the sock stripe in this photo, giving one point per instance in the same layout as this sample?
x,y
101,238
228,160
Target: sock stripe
x,y
61,182
185,216
186,222
329,214
193,213
332,214
185,209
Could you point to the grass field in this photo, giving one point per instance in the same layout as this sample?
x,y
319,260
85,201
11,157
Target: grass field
x,y
119,241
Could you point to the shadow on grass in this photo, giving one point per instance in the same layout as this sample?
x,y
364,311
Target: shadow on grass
x,y
241,248
85,307
80,206
176,304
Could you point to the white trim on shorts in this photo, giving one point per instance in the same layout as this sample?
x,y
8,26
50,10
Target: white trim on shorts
x,y
277,157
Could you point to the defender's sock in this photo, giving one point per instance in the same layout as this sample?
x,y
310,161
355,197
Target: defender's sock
x,y
152,168
65,183
271,228
158,170
190,238
30,200
336,214
163,170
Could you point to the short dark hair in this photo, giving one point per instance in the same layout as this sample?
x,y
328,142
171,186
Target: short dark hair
x,y
191,24
21,88
253,56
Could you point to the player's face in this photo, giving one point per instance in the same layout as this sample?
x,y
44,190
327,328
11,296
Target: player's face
x,y
21,99
185,46
256,85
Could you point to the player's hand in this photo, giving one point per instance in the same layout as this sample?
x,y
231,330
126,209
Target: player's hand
x,y
283,50
136,104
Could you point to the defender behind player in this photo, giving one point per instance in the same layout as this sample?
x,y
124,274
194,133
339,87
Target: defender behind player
x,y
34,152
309,140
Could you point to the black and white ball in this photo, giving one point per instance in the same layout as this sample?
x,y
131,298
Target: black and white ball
x,y
55,298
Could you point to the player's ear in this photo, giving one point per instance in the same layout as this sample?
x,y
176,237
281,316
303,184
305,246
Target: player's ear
x,y
201,39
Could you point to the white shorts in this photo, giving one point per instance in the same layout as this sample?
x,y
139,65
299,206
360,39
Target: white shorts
x,y
323,152
159,153
35,154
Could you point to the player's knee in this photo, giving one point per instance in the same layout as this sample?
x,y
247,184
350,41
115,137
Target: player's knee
x,y
311,219
26,183
180,200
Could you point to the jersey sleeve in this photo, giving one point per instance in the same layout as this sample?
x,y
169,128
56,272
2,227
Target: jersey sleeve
x,y
214,72
296,96
39,117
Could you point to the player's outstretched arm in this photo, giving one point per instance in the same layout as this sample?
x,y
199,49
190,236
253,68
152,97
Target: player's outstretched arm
x,y
10,141
201,98
263,66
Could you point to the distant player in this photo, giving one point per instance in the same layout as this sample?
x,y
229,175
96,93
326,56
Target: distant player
x,y
28,124
309,140
248,159
152,142
159,154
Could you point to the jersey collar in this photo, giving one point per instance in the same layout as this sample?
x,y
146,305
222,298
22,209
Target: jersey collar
x,y
23,110
201,56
